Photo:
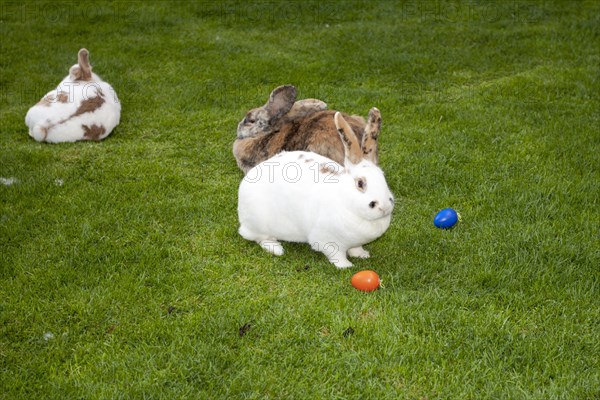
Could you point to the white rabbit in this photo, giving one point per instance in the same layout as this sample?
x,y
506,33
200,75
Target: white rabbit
x,y
82,107
301,196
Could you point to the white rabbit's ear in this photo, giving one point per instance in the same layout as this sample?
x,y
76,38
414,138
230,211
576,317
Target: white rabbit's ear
x,y
281,101
83,59
369,139
352,149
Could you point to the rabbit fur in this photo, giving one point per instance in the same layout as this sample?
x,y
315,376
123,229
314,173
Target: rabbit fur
x,y
283,124
305,197
82,107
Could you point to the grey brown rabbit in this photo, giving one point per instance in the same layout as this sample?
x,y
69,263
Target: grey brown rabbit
x,y
284,124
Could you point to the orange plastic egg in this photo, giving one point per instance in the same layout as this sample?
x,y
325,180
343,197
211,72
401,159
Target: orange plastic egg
x,y
366,281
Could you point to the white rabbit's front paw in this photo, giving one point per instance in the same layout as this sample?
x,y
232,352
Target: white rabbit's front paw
x,y
342,264
359,252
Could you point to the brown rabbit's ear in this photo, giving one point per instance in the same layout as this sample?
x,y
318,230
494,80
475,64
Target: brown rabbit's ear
x,y
369,139
351,146
306,107
83,59
281,101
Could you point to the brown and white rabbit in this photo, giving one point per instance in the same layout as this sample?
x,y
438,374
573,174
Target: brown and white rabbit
x,y
82,107
301,196
284,124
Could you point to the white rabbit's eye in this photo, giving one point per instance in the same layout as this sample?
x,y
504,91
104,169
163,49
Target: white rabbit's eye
x,y
361,184
372,204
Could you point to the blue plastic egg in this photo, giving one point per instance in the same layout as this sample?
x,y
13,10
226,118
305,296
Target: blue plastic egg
x,y
446,218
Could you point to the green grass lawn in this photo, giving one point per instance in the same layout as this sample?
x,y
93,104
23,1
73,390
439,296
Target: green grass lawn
x,y
122,273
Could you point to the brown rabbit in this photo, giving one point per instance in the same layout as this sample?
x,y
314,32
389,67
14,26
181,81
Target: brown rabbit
x,y
284,124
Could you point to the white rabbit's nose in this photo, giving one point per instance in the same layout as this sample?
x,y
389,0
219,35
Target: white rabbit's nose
x,y
387,208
